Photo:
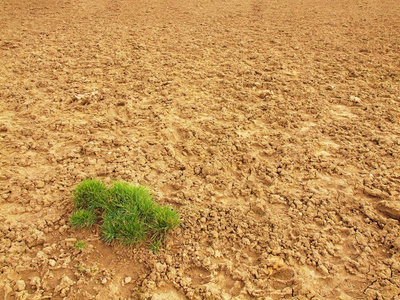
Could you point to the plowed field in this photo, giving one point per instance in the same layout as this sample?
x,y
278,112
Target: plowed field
x,y
272,126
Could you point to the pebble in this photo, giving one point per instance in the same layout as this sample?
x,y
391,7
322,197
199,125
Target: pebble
x,y
63,229
396,243
246,241
66,282
373,192
389,208
127,280
20,285
40,184
323,269
161,268
104,280
35,282
217,254
41,255
355,99
7,289
52,262
20,268
207,262
168,259
172,274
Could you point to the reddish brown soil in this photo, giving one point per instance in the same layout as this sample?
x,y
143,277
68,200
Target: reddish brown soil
x,y
272,126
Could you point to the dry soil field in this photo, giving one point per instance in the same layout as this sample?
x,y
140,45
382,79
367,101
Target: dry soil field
x,y
273,126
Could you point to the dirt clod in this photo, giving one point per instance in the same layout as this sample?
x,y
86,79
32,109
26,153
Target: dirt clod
x,y
20,285
390,208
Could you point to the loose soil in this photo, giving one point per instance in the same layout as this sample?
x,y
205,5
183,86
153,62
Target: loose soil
x,y
272,126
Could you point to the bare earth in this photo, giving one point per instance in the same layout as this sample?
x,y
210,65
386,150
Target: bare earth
x,y
273,126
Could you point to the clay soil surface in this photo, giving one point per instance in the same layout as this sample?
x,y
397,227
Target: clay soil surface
x,y
272,126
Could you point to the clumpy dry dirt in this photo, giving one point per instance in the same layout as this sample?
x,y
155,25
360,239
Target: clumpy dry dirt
x,y
272,126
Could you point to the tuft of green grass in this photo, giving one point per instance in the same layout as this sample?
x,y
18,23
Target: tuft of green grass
x,y
136,199
128,212
165,220
80,245
90,194
82,218
155,244
123,226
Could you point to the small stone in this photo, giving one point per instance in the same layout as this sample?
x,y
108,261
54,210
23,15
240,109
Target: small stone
x,y
151,285
186,281
373,192
264,93
396,243
41,255
35,282
207,262
389,208
246,241
355,99
368,250
274,262
168,259
63,229
66,282
323,269
20,268
395,266
20,285
257,293
104,280
40,184
52,262
276,199
283,274
161,268
172,274
127,280
319,221
217,254
7,289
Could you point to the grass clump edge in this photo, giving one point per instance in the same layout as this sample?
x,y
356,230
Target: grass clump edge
x,y
125,212
82,218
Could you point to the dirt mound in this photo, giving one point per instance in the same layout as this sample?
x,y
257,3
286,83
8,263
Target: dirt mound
x,y
272,126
